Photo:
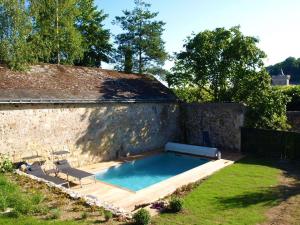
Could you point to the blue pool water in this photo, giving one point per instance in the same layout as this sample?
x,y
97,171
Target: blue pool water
x,y
142,173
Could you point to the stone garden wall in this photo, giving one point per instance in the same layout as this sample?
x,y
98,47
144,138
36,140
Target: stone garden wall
x,y
93,133
222,121
90,132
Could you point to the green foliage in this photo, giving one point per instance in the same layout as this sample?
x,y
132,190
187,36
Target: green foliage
x,y
142,217
84,215
14,214
95,38
271,144
158,71
268,110
141,45
107,215
55,31
6,164
15,30
176,205
290,66
293,92
229,66
193,95
55,37
37,198
55,214
12,197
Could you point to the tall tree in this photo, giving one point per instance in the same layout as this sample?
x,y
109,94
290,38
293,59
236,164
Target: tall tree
x,y
55,36
95,38
140,46
15,28
229,66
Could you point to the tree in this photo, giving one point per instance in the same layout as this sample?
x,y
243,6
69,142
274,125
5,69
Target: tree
x,y
55,36
95,38
15,29
230,67
140,46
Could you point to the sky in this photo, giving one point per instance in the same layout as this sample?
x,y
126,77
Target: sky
x,y
275,22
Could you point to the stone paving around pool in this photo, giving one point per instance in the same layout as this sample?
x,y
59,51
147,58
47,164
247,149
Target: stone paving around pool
x,y
128,200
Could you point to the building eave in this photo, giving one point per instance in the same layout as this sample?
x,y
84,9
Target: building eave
x,y
83,101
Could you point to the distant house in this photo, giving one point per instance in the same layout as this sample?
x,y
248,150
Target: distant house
x,y
281,79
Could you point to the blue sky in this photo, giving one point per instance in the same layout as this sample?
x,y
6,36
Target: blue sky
x,y
275,22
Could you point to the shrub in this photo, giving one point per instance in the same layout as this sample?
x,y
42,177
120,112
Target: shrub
x,y
107,215
13,214
142,217
22,204
176,205
40,209
193,95
84,215
37,198
6,165
293,92
55,214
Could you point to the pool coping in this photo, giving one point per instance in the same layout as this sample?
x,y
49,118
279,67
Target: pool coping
x,y
144,157
128,200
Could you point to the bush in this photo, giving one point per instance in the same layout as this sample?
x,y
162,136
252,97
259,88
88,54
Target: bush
x,y
107,215
13,214
176,205
55,214
6,165
193,95
22,204
142,217
84,215
37,198
267,111
293,92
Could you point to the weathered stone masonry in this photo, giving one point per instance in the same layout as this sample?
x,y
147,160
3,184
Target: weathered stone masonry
x,y
90,132
222,120
96,132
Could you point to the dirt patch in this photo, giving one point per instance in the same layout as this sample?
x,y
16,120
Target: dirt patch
x,y
288,210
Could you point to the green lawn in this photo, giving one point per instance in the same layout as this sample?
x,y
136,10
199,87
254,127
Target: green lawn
x,y
237,195
33,221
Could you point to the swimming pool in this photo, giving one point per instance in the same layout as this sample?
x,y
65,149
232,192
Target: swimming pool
x,y
139,174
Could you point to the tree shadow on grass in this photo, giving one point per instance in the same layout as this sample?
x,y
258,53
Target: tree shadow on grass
x,y
289,186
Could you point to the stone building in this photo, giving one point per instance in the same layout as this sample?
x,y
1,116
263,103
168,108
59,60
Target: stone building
x,y
281,80
95,114
100,115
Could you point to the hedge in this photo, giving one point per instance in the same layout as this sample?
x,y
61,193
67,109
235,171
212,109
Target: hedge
x,y
271,143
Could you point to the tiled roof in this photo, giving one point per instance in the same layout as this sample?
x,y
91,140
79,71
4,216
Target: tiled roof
x,y
57,83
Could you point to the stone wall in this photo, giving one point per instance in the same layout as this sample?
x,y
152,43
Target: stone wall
x,y
222,121
90,132
294,120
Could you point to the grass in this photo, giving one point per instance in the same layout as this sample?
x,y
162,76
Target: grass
x,y
11,196
36,203
238,195
34,221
